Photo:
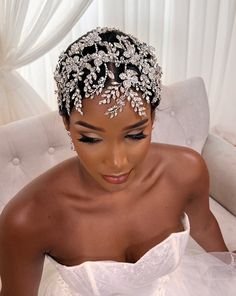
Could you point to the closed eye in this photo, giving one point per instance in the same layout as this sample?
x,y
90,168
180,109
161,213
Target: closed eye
x,y
138,136
89,140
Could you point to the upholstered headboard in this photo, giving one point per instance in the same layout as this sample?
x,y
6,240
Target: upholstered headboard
x,y
183,115
29,147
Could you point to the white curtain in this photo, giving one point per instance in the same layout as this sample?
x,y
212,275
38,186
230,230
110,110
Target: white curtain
x,y
29,29
191,37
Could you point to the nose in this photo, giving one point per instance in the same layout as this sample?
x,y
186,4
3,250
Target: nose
x,y
116,158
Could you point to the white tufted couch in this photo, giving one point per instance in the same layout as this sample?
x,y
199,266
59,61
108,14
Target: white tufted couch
x,y
29,147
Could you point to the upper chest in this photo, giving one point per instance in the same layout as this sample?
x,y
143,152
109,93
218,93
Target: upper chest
x,y
121,231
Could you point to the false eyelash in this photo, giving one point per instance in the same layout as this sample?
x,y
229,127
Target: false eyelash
x,y
138,136
89,140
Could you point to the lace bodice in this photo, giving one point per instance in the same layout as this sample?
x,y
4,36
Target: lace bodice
x,y
149,273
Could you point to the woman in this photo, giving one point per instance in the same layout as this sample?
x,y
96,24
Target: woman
x,y
115,219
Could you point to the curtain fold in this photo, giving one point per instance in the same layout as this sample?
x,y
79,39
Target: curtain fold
x,y
191,37
28,30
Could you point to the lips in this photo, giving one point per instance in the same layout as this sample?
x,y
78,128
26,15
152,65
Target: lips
x,y
116,179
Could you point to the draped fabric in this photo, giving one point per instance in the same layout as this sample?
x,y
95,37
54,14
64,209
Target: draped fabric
x,y
29,29
191,37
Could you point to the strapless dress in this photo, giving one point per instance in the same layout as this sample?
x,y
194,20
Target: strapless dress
x,y
165,270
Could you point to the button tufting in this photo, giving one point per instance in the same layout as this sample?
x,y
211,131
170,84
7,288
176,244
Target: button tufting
x,y
172,113
15,161
189,141
51,150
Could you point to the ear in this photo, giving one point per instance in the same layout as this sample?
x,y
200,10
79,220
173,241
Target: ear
x,y
66,121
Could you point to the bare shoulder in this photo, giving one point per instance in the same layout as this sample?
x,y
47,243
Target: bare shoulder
x,y
22,219
29,229
22,244
31,211
182,165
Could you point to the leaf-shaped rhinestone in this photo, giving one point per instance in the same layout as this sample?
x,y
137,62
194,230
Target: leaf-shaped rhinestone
x,y
134,87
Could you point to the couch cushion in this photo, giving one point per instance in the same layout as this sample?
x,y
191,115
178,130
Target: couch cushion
x,y
220,157
28,148
183,115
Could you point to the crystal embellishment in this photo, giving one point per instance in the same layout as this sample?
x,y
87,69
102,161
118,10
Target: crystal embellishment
x,y
136,87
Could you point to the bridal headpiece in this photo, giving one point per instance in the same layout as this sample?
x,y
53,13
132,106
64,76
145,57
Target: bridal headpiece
x,y
123,69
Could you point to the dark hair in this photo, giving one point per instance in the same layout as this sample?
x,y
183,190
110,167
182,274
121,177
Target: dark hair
x,y
109,36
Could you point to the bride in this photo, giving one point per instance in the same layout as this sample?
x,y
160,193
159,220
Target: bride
x,y
115,219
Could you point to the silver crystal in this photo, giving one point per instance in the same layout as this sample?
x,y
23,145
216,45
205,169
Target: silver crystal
x,y
134,88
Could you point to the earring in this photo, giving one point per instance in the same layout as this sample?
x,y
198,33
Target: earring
x,y
72,147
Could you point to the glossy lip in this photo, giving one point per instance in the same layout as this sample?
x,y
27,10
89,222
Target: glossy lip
x,y
116,179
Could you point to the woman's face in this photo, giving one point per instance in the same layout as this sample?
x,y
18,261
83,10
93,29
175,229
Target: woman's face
x,y
111,151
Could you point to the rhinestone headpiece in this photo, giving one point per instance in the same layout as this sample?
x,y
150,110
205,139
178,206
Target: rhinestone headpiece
x,y
139,81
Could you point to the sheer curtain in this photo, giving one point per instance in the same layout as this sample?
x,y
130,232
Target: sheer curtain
x,y
191,37
29,29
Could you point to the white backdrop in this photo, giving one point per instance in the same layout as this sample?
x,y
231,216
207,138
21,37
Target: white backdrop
x,y
28,30
191,37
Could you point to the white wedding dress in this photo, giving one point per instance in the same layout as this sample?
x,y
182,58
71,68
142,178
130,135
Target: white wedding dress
x,y
165,270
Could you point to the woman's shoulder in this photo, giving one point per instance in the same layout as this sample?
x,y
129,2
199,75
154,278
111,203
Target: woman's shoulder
x,y
169,151
32,209
181,164
51,181
22,222
44,185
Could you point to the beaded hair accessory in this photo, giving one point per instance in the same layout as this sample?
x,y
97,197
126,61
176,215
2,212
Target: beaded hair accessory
x,y
139,81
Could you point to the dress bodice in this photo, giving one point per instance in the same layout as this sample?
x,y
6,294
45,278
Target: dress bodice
x,y
144,277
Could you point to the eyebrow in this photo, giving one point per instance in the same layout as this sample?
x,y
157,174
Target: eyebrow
x,y
137,124
90,126
85,124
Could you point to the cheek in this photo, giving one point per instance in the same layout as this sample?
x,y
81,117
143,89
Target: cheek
x,y
138,151
89,154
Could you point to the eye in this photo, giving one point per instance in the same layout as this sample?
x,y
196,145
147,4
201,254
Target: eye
x,y
89,140
138,136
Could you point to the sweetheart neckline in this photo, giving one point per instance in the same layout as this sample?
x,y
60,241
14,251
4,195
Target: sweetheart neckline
x,y
186,226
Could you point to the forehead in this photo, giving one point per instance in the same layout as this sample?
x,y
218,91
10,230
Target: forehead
x,y
94,114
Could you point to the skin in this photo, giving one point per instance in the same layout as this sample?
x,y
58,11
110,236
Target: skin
x,y
73,215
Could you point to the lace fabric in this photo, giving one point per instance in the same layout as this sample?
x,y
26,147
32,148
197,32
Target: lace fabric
x,y
150,272
165,270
